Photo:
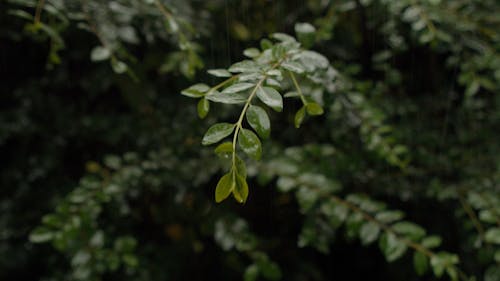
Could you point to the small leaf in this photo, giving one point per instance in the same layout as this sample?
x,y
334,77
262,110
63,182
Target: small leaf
x,y
41,235
369,233
227,98
431,242
251,273
219,72
250,143
118,66
493,235
240,191
293,66
420,263
244,66
299,117
240,167
389,216
224,150
251,52
392,247
224,187
270,97
259,121
217,132
409,229
196,91
203,108
283,37
304,28
100,53
314,108
237,88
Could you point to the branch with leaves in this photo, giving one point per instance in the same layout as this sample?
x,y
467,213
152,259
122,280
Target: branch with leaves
x,y
273,68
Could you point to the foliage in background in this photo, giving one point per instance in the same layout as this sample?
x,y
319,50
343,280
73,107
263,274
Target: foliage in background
x,y
401,152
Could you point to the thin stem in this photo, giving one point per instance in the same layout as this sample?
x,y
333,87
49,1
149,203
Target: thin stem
x,y
247,104
38,11
224,82
299,91
164,10
242,115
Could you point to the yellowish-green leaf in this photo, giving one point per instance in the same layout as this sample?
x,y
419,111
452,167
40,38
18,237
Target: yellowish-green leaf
x,y
224,187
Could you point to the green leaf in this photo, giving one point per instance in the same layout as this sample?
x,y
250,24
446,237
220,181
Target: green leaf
x,y
219,72
203,108
240,87
196,91
217,132
304,28
389,216
270,270
224,150
250,143
41,235
241,168
493,235
314,109
251,52
251,273
293,66
240,191
369,233
227,98
100,53
299,117
265,44
431,241
270,97
420,263
392,247
118,66
497,256
283,37
244,66
442,261
409,229
224,187
259,121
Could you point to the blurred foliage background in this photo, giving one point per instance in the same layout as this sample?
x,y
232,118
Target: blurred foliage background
x,y
104,178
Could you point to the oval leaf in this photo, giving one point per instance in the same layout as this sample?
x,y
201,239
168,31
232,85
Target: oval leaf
x,y
196,91
250,143
226,98
237,88
293,66
240,190
271,98
299,117
203,108
224,187
314,109
217,132
420,263
369,233
224,150
219,72
258,119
